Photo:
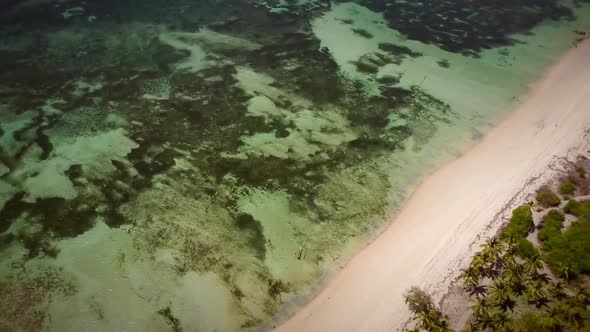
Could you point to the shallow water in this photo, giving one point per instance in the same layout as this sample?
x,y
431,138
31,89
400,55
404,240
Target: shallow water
x,y
203,165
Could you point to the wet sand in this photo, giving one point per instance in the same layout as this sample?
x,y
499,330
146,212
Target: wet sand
x,y
456,207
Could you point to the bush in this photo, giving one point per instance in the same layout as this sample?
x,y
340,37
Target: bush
x,y
552,223
567,188
568,253
578,209
526,249
578,235
530,321
520,224
546,197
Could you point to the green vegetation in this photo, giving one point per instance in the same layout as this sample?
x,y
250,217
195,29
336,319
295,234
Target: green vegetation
x,y
552,224
424,311
546,197
520,224
566,253
578,209
526,249
567,188
507,285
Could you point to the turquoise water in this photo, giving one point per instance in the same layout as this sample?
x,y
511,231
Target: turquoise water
x,y
205,165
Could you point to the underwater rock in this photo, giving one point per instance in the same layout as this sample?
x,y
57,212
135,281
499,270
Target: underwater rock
x,y
463,26
368,64
388,80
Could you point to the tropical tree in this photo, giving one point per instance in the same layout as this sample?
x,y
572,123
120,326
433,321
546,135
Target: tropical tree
x,y
535,292
552,319
515,274
510,256
543,277
470,277
499,263
511,239
491,251
478,291
501,296
557,290
493,272
582,297
563,269
425,313
502,322
479,264
572,315
534,263
481,309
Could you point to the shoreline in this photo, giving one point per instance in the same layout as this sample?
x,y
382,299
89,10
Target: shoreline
x,y
457,215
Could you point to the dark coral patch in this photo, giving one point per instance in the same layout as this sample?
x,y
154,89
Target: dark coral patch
x,y
254,229
464,26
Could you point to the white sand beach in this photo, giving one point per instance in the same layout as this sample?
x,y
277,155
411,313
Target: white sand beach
x,y
457,207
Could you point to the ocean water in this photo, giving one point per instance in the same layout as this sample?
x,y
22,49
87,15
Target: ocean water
x,y
206,165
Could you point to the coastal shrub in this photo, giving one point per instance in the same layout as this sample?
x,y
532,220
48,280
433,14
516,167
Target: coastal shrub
x,y
568,253
578,209
526,249
530,321
520,224
578,235
552,223
546,197
567,188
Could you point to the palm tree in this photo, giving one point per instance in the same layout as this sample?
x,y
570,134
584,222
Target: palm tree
x,y
511,240
515,275
510,256
481,311
572,314
502,322
501,295
492,249
534,263
424,318
478,291
552,319
442,325
498,265
500,291
473,327
582,297
470,277
433,320
479,263
535,292
557,290
542,302
493,272
496,246
507,304
544,277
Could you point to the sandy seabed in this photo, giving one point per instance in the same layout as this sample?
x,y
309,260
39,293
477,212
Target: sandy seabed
x,y
458,207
